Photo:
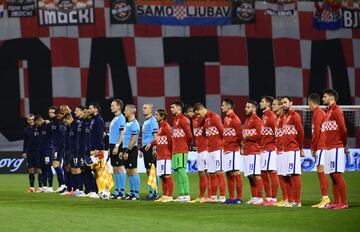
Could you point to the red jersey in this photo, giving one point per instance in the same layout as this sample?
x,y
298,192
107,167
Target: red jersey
x,y
293,136
251,135
279,143
199,133
318,139
232,132
267,131
214,132
182,136
334,128
163,142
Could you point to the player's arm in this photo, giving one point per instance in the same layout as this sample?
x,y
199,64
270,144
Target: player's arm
x,y
25,144
300,129
117,145
238,130
318,118
185,124
218,124
340,121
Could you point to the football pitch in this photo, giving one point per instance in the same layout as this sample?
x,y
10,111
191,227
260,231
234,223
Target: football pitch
x,y
21,211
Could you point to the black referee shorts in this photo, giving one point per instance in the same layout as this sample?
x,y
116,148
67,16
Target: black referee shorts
x,y
131,161
115,159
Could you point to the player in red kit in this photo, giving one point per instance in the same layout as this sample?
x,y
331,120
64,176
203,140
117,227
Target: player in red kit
x,y
268,152
232,140
317,147
281,156
335,133
198,124
251,151
163,143
214,139
293,139
182,139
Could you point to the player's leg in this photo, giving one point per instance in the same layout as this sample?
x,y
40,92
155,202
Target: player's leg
x,y
323,180
202,176
272,171
249,173
219,170
296,177
258,180
178,180
182,170
115,163
38,170
31,164
148,161
237,177
160,169
48,163
59,171
265,174
228,168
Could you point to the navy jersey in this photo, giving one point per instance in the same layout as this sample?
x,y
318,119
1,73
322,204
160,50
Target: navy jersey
x,y
82,136
87,134
31,139
97,128
72,138
46,144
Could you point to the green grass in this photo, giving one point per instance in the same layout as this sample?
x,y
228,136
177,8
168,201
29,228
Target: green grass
x,y
20,211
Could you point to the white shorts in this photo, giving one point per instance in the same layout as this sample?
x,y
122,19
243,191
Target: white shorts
x,y
202,161
163,167
293,162
334,160
282,164
252,165
320,157
215,161
232,161
268,161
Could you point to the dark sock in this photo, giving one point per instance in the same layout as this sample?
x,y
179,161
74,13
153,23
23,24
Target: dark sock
x,y
60,176
40,180
31,179
50,176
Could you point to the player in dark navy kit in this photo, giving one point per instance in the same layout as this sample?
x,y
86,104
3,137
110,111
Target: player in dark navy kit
x,y
31,141
96,135
73,154
45,148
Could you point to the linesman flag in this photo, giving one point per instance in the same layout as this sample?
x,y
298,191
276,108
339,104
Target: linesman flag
x,y
103,176
152,178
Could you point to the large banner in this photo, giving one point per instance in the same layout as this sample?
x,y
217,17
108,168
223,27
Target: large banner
x,y
12,162
65,12
21,8
183,12
351,17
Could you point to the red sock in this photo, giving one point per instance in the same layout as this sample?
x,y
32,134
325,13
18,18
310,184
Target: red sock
x,y
266,182
289,188
324,184
341,185
214,184
170,185
231,186
283,187
274,184
209,188
259,187
202,185
253,188
164,185
238,183
222,183
296,181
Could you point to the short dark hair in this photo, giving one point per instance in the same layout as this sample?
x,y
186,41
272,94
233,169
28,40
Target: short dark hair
x,y
178,103
230,102
162,113
314,98
198,106
53,108
253,102
287,97
119,102
268,99
187,108
331,92
82,108
96,106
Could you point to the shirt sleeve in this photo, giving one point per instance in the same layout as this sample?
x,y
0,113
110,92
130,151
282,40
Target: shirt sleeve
x,y
135,128
318,118
339,118
300,129
122,123
154,126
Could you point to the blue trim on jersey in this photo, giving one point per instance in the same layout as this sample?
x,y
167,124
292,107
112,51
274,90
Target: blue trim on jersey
x,y
294,162
233,162
254,168
268,163
220,160
165,168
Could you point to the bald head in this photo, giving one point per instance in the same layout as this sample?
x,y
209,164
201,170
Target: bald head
x,y
147,110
